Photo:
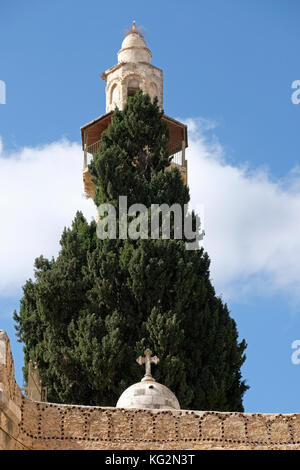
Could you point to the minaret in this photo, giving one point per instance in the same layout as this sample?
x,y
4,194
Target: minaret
x,y
133,72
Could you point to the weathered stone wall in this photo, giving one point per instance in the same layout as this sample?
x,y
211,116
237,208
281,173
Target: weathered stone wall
x,y
149,78
27,424
48,425
10,399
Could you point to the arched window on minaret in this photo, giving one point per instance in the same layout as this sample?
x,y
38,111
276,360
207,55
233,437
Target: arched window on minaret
x,y
132,87
114,95
152,90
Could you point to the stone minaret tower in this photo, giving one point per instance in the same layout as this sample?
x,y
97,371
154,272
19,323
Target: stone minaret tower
x,y
133,72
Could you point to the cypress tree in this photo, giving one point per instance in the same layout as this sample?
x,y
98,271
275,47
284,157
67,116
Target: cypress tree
x,y
90,312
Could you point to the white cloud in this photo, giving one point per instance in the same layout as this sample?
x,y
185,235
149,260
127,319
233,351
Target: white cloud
x,y
252,222
40,190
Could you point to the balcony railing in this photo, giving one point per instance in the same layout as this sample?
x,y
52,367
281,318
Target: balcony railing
x,y
178,158
90,150
93,148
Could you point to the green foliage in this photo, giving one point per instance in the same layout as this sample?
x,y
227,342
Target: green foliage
x,y
88,314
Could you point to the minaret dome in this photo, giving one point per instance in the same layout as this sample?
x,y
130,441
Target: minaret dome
x,y
134,47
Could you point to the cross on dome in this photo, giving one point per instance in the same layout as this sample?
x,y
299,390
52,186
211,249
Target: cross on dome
x,y
147,360
148,393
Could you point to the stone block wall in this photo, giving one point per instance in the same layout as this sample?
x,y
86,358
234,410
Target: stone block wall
x,y
10,399
49,425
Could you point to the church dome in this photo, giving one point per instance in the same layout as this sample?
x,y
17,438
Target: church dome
x,y
148,393
134,47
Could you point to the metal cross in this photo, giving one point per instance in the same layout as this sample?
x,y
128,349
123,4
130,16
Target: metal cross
x,y
147,360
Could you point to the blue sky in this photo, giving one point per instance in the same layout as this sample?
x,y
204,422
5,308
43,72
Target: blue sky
x,y
228,68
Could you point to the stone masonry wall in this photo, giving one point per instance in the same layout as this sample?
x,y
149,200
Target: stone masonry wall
x,y
10,399
49,425
27,424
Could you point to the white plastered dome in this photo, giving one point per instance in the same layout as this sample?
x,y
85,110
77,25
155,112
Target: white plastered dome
x,y
148,394
134,48
133,39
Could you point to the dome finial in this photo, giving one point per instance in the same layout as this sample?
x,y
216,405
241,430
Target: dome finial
x,y
147,360
134,29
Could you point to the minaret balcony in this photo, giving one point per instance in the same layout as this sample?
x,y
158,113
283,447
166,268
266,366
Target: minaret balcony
x,y
178,161
91,139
